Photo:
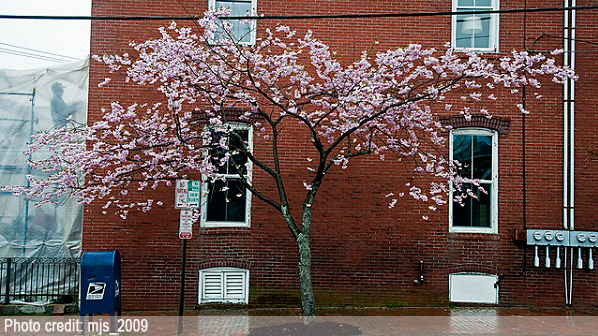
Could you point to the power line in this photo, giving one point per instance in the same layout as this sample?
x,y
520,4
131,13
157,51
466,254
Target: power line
x,y
30,55
39,51
297,17
393,15
568,38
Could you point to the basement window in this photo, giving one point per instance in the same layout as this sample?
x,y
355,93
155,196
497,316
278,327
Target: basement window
x,y
224,285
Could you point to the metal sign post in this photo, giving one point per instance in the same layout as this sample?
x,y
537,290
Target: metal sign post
x,y
186,197
182,293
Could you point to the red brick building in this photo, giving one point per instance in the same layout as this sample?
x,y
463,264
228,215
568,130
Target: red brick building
x,y
364,253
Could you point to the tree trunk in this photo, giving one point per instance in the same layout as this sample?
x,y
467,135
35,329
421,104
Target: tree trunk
x,y
307,293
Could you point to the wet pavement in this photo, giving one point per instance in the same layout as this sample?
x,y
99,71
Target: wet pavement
x,y
406,311
384,321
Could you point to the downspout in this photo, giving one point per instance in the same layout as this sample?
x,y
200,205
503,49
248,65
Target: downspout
x,y
572,144
566,145
566,119
572,124
569,145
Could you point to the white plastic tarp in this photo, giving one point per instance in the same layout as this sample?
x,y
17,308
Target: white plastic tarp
x,y
32,101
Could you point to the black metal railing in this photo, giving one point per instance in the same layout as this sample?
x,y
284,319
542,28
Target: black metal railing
x,y
45,280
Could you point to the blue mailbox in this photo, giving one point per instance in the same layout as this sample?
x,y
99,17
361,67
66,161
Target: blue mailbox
x,y
100,283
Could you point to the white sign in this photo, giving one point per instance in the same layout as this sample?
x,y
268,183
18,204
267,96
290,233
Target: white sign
x,y
187,194
95,291
186,224
181,194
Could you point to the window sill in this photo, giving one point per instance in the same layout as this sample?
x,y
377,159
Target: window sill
x,y
465,229
224,225
217,43
224,230
479,51
473,236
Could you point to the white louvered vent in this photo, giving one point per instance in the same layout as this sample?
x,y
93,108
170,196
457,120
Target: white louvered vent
x,y
235,285
228,285
212,285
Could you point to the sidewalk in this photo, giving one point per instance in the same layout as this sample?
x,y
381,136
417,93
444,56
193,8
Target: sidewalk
x,y
330,322
395,321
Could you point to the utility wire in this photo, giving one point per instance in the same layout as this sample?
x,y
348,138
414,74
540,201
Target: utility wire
x,y
391,15
296,17
39,51
568,38
30,55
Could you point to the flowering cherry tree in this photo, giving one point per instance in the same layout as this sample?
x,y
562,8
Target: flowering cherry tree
x,y
383,104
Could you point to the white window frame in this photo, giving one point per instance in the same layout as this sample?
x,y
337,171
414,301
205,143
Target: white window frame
x,y
223,298
253,31
494,26
493,229
205,191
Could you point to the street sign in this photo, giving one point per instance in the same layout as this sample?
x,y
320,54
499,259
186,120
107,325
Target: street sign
x,y
187,194
194,188
186,224
181,193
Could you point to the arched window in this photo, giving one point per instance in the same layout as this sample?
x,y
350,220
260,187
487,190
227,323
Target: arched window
x,y
476,150
227,203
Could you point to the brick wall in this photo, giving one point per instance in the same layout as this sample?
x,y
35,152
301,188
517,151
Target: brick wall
x,y
364,253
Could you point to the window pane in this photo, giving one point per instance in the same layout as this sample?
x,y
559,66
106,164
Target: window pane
x,y
475,3
482,157
462,38
473,31
474,212
483,3
226,201
235,208
218,153
216,202
234,143
482,38
465,3
462,153
240,30
227,3
237,160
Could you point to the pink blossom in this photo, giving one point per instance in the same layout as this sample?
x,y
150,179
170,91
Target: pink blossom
x,y
375,105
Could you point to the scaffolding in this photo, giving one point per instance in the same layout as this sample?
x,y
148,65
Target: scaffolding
x,y
32,101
